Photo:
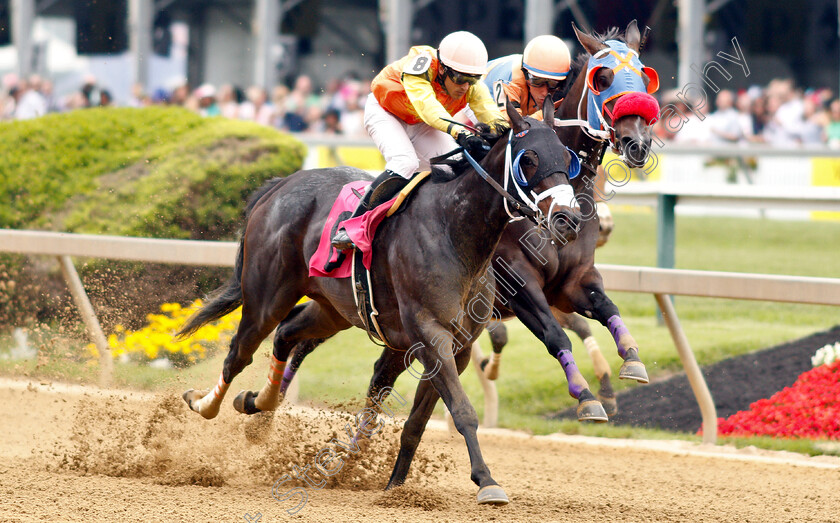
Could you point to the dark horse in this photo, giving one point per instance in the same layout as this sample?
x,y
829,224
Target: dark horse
x,y
430,265
561,279
543,280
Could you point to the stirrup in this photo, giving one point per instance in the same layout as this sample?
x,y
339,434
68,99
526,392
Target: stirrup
x,y
341,241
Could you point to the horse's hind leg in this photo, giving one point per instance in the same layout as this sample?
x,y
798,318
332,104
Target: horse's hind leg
x,y
308,321
499,338
253,328
606,395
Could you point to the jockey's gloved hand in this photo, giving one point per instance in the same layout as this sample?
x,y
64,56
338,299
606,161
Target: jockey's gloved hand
x,y
501,128
491,133
474,145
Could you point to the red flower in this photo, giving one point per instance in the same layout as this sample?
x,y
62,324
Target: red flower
x,y
810,408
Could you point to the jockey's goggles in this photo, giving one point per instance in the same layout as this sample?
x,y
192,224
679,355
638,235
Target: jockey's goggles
x,y
539,81
461,78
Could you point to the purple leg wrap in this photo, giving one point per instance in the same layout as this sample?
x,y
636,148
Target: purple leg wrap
x,y
570,368
617,328
288,374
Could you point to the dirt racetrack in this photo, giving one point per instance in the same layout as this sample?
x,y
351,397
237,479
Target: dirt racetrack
x,y
69,453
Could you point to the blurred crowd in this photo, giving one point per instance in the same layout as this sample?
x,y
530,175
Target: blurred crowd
x,y
337,108
780,114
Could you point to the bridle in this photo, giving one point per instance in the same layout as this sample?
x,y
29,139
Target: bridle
x,y
520,202
628,70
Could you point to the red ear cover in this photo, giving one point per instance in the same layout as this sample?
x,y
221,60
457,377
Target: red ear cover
x,y
590,79
641,104
653,76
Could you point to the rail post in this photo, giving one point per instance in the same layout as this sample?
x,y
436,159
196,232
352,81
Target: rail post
x,y
106,363
692,370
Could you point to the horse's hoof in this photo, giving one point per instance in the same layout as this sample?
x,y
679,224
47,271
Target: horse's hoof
x,y
633,368
244,402
610,405
592,410
192,396
492,495
492,371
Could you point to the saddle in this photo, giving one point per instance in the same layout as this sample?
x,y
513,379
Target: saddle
x,y
362,284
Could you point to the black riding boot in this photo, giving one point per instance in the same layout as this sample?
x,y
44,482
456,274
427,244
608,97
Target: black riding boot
x,y
341,240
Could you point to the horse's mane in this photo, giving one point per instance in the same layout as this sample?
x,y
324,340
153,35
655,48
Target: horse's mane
x,y
580,62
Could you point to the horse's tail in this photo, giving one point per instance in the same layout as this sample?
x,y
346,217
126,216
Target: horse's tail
x,y
228,297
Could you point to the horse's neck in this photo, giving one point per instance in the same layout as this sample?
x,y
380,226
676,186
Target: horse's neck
x,y
477,216
577,139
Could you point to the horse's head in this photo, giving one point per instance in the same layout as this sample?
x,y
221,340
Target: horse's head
x,y
541,168
619,89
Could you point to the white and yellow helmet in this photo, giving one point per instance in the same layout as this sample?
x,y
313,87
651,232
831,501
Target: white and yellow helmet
x,y
463,52
547,56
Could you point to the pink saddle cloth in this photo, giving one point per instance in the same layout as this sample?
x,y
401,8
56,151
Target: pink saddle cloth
x,y
360,229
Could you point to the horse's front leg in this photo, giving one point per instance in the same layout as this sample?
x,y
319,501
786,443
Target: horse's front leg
x,y
534,312
588,298
441,372
576,323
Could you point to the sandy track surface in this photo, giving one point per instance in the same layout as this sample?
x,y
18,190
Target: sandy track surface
x,y
69,453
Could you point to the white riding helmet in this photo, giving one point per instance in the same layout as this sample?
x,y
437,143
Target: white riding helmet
x,y
464,52
547,56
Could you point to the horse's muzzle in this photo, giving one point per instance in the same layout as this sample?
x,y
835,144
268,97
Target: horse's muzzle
x,y
634,151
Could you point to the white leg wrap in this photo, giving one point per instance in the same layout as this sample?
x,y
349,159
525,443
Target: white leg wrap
x,y
591,345
269,397
209,405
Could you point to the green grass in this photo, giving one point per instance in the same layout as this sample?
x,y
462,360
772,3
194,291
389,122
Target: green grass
x,y
532,385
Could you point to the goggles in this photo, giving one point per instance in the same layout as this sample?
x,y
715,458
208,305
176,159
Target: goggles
x,y
539,81
461,78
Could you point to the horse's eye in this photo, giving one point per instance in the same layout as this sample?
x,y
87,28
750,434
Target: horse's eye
x,y
528,159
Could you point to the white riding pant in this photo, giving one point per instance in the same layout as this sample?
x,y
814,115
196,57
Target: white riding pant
x,y
406,148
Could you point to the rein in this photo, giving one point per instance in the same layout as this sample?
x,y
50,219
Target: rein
x,y
508,198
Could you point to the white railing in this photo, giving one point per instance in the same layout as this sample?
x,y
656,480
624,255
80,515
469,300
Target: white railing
x,y
662,283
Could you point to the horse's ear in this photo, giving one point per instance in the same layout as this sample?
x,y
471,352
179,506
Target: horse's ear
x,y
589,42
632,36
548,112
517,123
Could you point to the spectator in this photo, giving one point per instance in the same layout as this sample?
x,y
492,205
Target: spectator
x,y
353,115
278,99
228,105
206,97
7,100
331,123
725,122
833,128
180,95
137,95
746,119
53,104
257,108
29,102
105,98
302,105
88,92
